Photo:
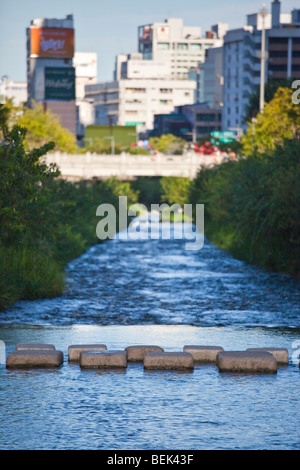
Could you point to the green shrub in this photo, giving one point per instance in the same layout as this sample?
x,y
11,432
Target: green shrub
x,y
251,207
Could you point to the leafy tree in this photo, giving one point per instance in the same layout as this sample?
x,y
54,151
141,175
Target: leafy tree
x,y
101,146
175,190
270,89
44,221
43,126
252,205
148,188
8,115
23,186
168,143
279,121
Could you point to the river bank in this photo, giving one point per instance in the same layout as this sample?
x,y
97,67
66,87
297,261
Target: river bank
x,y
251,208
33,262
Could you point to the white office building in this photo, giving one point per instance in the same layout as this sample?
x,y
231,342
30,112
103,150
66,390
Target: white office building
x,y
142,89
86,73
182,47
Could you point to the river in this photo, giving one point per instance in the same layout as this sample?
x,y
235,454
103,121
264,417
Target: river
x,y
125,292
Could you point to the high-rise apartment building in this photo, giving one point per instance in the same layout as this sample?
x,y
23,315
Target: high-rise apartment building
x,y
241,74
283,44
50,71
242,65
213,78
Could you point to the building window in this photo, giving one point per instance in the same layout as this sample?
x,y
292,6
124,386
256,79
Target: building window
x,y
195,47
163,46
135,90
182,46
205,117
205,130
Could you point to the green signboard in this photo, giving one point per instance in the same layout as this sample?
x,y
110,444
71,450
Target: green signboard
x,y
60,83
224,137
133,123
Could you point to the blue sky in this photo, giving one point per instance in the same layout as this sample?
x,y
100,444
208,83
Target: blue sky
x,y
110,27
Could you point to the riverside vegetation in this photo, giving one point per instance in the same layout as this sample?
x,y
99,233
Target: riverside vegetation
x,y
44,221
251,204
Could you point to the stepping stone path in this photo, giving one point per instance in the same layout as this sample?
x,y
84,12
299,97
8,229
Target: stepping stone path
x,y
27,358
246,361
103,359
138,353
97,356
203,353
33,346
281,354
75,350
168,360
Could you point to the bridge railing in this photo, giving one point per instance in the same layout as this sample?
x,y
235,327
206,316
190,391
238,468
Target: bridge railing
x,y
127,166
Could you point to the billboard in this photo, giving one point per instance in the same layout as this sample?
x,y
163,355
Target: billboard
x,y
60,83
52,42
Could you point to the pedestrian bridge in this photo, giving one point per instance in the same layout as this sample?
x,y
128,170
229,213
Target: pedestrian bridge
x,y
127,167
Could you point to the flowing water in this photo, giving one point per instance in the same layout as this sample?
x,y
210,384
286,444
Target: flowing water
x,y
145,291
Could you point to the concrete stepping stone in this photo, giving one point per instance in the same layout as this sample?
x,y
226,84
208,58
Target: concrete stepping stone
x,y
33,346
168,361
203,353
137,353
246,361
281,354
29,358
103,359
75,350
